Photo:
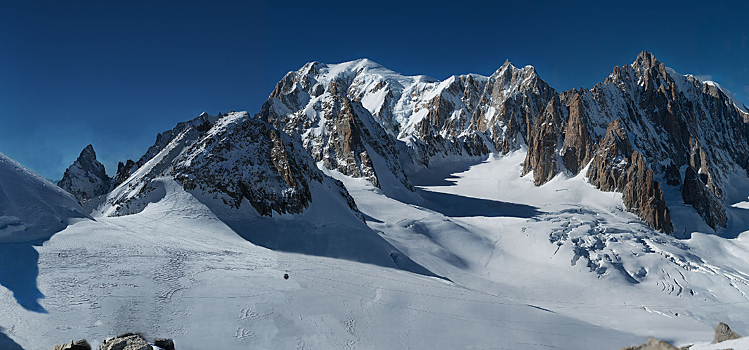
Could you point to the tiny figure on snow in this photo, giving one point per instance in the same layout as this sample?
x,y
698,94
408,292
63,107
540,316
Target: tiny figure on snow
x,y
286,276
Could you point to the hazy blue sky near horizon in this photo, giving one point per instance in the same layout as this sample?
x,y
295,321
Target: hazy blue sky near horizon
x,y
114,74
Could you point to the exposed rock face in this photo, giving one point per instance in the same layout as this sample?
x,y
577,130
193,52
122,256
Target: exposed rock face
x,y
616,167
248,159
235,159
578,146
723,333
86,177
544,141
79,345
124,170
126,342
696,193
643,196
678,120
404,120
508,107
611,161
334,127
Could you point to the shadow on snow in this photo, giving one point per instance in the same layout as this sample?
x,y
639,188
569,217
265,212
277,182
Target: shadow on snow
x,y
461,206
334,240
20,268
6,343
457,205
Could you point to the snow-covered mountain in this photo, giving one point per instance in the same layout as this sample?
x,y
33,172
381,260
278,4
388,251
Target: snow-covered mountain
x,y
31,207
540,212
669,119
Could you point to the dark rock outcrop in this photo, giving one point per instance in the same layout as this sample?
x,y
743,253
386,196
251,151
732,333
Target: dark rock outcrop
x,y
696,193
723,333
164,343
578,146
544,141
124,170
617,167
79,345
127,341
643,196
86,178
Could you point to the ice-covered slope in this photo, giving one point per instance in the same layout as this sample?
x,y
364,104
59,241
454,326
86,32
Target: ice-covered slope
x,y
32,208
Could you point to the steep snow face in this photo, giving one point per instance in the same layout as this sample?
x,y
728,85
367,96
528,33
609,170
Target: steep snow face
x,y
32,208
85,178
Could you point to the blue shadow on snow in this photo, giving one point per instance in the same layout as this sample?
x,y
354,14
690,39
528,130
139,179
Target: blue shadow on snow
x,y
19,268
8,344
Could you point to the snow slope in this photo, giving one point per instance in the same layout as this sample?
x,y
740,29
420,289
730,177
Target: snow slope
x,y
557,266
31,207
175,270
567,248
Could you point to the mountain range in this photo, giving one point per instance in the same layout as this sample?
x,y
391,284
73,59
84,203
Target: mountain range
x,y
643,128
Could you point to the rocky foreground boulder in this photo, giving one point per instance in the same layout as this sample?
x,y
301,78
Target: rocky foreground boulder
x,y
722,333
79,345
127,341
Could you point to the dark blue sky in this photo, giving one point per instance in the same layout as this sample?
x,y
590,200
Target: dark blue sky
x,y
114,74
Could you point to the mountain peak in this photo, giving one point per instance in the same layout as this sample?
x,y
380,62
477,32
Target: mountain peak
x,y
88,152
646,60
86,178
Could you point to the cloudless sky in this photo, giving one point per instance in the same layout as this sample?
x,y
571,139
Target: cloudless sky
x,y
115,73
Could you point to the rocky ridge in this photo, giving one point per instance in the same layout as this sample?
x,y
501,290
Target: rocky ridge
x,y
236,160
85,178
364,120
669,116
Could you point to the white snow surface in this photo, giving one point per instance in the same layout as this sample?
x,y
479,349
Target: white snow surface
x,y
31,207
560,266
